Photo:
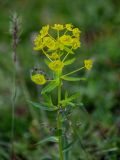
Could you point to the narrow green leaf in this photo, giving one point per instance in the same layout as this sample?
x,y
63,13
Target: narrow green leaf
x,y
69,99
40,106
73,78
73,97
72,104
70,61
48,100
52,85
48,139
69,146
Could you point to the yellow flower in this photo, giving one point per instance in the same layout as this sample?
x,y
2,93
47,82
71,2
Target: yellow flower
x,y
56,65
69,27
76,32
54,56
88,64
59,45
58,27
38,43
44,31
49,42
75,43
38,79
66,40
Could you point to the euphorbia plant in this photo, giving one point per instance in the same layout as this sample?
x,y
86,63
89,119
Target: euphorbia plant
x,y
56,43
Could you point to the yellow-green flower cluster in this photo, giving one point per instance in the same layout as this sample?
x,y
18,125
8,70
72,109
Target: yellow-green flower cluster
x,y
56,65
70,38
38,79
66,39
88,64
54,56
56,47
58,27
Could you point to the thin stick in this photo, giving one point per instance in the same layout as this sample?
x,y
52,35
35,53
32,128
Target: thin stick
x,y
14,32
46,55
65,56
73,72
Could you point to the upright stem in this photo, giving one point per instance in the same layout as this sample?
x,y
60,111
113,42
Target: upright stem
x,y
59,124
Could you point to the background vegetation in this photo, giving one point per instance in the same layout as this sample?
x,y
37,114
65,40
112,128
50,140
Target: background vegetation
x,y
97,120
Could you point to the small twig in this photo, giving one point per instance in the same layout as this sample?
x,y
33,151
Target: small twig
x,y
14,31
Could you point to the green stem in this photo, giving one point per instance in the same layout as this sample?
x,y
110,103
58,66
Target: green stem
x,y
73,71
46,55
58,34
59,124
65,56
51,37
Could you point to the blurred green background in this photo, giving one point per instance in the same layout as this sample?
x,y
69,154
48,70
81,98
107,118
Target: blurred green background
x,y
99,116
